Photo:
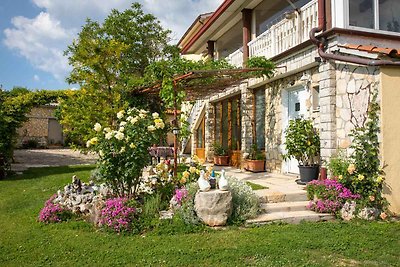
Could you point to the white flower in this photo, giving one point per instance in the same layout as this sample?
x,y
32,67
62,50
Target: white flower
x,y
101,153
155,115
142,111
159,124
120,114
134,120
107,130
151,128
121,129
123,123
109,135
122,150
88,143
129,118
119,135
142,115
97,127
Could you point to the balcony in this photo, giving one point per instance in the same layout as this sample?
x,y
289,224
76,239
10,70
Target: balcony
x,y
282,35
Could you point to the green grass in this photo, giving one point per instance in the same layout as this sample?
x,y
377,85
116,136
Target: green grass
x,y
256,186
25,242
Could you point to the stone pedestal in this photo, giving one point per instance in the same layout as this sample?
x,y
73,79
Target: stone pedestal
x,y
213,207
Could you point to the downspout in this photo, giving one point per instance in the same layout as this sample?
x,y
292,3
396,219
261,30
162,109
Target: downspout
x,y
321,42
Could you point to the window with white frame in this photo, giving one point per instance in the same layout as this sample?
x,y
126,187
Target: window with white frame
x,y
375,14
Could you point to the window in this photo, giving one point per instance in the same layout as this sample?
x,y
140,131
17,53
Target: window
x,y
375,14
260,117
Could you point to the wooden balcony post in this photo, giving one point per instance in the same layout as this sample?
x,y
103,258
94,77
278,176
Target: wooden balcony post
x,y
246,19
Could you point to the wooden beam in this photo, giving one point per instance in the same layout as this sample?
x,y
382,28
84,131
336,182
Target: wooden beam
x,y
229,115
239,125
246,19
210,49
253,119
220,123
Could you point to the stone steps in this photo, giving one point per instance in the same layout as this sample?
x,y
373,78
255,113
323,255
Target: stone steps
x,y
288,207
268,196
284,206
293,217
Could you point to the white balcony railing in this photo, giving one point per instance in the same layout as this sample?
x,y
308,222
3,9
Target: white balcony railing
x,y
280,36
284,34
236,58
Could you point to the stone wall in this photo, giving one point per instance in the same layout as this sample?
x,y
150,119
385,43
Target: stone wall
x,y
353,94
37,126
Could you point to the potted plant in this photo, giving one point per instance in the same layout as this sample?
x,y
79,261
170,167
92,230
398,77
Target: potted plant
x,y
221,157
303,143
256,160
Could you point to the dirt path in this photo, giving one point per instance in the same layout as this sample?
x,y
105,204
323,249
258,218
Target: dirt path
x,y
31,158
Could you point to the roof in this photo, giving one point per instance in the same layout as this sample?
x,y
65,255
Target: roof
x,y
201,19
382,51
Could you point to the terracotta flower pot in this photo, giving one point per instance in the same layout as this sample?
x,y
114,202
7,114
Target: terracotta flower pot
x,y
221,160
256,165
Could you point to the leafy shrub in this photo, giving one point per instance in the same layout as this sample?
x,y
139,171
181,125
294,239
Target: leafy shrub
x,y
328,196
54,213
186,209
117,215
256,154
245,202
219,150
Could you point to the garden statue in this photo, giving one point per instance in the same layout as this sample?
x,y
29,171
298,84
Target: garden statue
x,y
223,182
203,183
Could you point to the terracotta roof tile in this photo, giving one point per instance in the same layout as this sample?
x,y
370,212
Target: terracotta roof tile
x,y
391,52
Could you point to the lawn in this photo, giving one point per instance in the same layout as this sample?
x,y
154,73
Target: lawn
x,y
24,241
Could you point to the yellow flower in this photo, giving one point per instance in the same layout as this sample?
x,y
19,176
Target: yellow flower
x,y
351,168
94,141
372,198
132,145
192,169
122,150
183,180
197,171
379,179
185,174
360,177
340,177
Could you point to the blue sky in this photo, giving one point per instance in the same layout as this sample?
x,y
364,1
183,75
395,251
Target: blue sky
x,y
34,34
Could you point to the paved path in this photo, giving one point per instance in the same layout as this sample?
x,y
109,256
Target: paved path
x,y
29,158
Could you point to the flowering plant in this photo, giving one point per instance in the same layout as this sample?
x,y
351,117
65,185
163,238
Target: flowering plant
x,y
181,194
123,148
328,195
117,215
53,213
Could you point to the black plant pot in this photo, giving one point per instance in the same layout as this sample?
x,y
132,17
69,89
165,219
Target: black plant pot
x,y
308,173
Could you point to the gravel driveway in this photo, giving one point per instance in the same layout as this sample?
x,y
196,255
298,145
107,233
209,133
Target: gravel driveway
x,y
31,158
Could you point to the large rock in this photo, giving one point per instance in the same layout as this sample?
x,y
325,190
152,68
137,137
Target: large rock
x,y
213,207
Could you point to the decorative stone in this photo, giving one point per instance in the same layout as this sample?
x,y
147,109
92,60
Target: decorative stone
x,y
213,207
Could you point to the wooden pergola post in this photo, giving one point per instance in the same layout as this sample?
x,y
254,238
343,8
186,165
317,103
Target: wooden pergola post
x,y
175,132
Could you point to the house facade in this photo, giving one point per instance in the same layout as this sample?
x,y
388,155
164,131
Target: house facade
x,y
331,56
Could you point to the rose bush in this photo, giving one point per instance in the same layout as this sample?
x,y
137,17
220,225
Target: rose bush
x,y
123,148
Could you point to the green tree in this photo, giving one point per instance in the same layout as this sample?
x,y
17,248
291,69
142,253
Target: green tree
x,y
107,60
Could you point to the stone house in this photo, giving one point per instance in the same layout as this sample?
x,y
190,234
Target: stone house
x,y
42,127
330,56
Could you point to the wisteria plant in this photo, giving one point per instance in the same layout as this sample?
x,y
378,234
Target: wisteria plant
x,y
123,148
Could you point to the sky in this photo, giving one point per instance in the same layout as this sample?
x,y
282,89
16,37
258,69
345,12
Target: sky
x,y
35,33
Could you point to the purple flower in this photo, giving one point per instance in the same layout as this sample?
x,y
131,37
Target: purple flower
x,y
51,213
117,215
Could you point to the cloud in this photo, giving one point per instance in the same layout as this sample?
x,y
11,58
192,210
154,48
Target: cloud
x,y
42,39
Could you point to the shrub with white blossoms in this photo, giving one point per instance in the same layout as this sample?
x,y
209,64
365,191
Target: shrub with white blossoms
x,y
123,148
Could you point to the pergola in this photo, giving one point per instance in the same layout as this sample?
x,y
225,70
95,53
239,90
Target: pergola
x,y
200,84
